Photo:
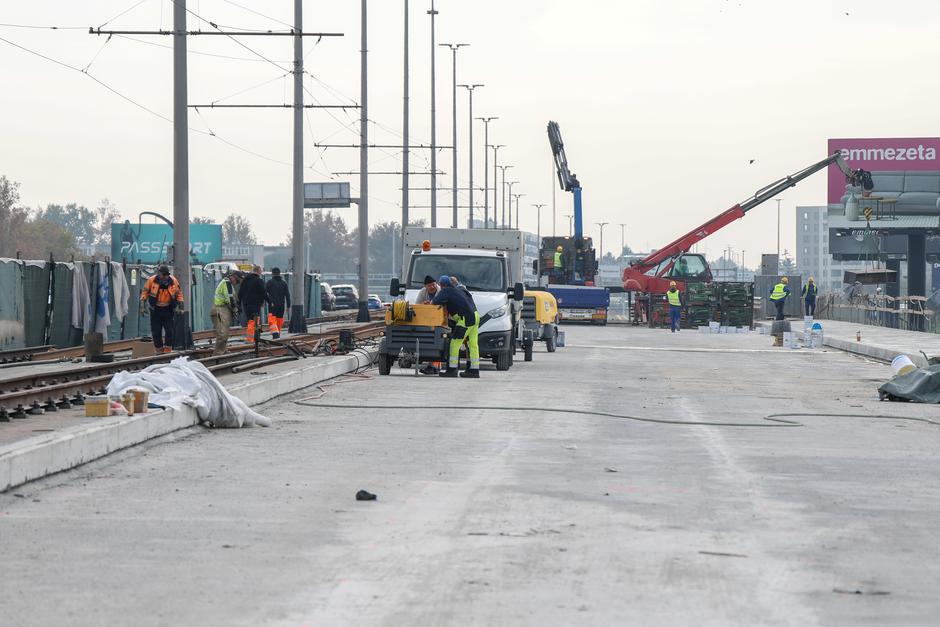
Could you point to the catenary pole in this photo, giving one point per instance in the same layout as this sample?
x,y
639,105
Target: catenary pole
x,y
182,338
433,13
405,142
298,322
364,173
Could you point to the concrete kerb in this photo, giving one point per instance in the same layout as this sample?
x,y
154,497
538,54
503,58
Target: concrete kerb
x,y
43,455
866,349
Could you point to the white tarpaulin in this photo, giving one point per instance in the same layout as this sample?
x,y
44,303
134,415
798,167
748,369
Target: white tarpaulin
x,y
183,382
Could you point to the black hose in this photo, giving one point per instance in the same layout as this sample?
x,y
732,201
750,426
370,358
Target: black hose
x,y
777,420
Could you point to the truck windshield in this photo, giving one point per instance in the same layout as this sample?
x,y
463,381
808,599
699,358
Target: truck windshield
x,y
482,274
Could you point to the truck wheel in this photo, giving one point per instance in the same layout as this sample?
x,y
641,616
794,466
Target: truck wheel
x,y
504,360
550,340
528,351
385,363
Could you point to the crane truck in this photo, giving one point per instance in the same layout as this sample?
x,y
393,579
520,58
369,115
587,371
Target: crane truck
x,y
673,262
572,284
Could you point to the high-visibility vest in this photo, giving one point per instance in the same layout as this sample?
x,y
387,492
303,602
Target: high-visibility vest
x,y
558,263
778,293
160,296
810,290
673,296
224,295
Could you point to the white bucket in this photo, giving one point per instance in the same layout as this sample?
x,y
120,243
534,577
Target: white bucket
x,y
714,327
902,364
703,329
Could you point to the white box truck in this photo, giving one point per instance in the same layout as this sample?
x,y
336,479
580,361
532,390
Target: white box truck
x,y
488,262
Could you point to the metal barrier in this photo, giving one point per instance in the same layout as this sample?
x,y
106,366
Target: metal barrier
x,y
910,313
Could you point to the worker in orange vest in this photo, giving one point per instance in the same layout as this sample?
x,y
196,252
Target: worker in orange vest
x,y
163,295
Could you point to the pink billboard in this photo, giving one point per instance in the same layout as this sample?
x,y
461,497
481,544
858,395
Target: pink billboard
x,y
912,154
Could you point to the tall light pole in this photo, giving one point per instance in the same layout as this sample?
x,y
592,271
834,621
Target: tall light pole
x,y
538,236
433,13
486,172
570,223
502,222
453,176
554,207
779,200
507,219
181,264
470,89
405,155
622,243
363,173
495,167
298,323
601,248
517,197
743,269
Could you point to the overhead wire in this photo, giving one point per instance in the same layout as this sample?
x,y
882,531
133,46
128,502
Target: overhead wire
x,y
124,12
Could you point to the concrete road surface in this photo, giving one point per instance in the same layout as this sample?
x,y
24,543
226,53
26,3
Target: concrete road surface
x,y
500,516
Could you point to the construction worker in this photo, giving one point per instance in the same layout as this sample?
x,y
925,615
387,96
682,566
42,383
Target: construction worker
x,y
427,293
809,297
675,306
279,298
466,321
558,263
779,296
225,309
252,296
163,295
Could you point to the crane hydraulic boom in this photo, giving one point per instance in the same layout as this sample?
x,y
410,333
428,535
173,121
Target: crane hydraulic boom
x,y
635,277
567,180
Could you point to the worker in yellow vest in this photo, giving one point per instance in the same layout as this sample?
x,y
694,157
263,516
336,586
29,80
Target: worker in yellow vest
x,y
779,296
558,264
674,296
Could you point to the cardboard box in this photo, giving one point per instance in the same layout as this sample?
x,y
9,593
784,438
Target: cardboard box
x,y
143,348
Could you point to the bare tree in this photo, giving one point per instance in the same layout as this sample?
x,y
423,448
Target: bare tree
x,y
12,217
202,220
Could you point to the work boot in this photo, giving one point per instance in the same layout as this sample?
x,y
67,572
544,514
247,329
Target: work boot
x,y
429,369
470,374
449,373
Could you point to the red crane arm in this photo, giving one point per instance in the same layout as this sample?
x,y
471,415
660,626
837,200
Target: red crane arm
x,y
685,242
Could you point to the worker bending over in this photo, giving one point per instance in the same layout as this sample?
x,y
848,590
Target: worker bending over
x,y
779,296
466,323
809,298
252,296
163,295
279,299
225,309
674,296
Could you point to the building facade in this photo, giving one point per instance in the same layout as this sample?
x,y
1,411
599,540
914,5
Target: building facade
x,y
813,258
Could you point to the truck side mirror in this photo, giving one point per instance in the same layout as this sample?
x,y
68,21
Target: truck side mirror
x,y
518,291
395,288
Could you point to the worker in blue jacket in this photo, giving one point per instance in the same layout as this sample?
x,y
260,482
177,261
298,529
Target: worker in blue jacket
x,y
809,298
465,323
778,296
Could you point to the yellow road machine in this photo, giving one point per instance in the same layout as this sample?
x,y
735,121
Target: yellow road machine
x,y
540,317
414,334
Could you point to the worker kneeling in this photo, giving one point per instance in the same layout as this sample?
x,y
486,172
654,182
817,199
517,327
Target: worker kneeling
x,y
465,323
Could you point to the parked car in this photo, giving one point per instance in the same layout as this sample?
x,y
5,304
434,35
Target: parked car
x,y
375,302
347,296
224,267
327,298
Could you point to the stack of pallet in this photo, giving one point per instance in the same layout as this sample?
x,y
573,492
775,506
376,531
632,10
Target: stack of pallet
x,y
700,301
736,303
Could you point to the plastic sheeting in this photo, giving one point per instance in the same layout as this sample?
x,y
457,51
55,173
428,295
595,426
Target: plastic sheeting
x,y
188,383
35,302
920,386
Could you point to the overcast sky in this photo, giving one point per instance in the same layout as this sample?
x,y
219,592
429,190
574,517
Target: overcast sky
x,y
661,104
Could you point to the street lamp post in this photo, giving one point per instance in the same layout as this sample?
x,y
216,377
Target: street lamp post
x,y
779,200
538,236
495,166
470,89
502,222
517,197
432,13
486,172
601,247
508,218
570,223
453,176
622,243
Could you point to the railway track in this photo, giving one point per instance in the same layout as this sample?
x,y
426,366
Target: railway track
x,y
37,393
